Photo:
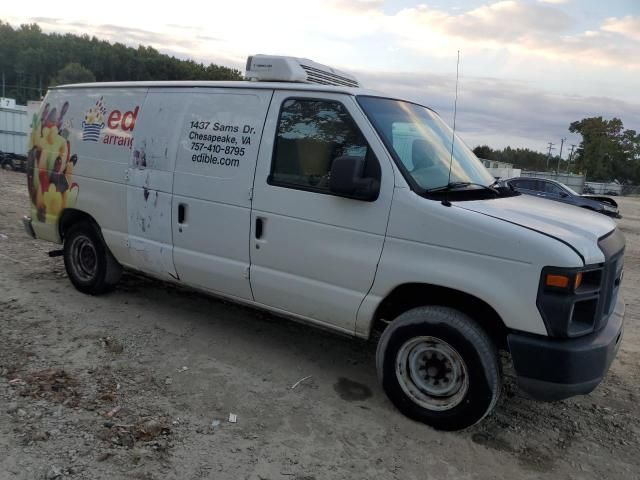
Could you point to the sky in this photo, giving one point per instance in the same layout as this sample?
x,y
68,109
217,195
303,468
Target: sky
x,y
528,68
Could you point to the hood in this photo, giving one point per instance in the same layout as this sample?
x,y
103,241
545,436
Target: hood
x,y
601,199
578,227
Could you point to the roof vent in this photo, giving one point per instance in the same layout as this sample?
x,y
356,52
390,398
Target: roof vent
x,y
273,68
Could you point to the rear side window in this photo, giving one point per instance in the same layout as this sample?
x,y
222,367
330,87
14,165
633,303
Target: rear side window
x,y
311,134
527,184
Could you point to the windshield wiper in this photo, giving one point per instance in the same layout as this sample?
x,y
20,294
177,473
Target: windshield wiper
x,y
457,185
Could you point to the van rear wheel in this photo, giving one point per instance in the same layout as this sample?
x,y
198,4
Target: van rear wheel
x,y
90,265
439,367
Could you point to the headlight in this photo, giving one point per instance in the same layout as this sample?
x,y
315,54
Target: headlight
x,y
568,299
609,208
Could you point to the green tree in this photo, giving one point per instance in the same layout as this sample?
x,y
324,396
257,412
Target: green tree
x,y
484,151
607,151
520,157
73,73
31,60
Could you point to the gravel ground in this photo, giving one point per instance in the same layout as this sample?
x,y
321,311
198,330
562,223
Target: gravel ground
x,y
140,384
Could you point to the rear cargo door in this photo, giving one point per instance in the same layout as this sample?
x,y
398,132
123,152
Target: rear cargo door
x,y
150,178
218,145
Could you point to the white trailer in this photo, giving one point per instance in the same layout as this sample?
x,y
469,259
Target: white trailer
x,y
15,127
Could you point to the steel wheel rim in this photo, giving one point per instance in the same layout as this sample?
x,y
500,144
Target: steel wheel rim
x,y
432,373
84,258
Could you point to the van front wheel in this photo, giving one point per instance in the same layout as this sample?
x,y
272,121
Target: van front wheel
x,y
90,265
439,367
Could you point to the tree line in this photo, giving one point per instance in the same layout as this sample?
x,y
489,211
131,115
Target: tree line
x,y
607,152
32,61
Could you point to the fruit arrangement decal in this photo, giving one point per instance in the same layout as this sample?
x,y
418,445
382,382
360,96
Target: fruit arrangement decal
x,y
50,165
93,122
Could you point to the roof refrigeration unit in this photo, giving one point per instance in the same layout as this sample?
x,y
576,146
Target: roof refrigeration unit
x,y
275,68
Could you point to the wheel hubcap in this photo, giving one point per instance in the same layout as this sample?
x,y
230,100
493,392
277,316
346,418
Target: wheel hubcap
x,y
432,373
84,259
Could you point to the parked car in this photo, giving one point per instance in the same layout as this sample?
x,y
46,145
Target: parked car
x,y
12,161
310,197
553,190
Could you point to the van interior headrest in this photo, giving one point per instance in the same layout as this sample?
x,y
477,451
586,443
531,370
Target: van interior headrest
x,y
421,154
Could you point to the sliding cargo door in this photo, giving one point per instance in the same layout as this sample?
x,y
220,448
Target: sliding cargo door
x,y
215,165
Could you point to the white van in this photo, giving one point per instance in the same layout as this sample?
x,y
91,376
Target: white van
x,y
345,208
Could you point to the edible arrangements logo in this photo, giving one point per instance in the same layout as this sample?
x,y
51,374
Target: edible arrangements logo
x,y
119,131
93,122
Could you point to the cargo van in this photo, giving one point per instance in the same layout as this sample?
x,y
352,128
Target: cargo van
x,y
302,193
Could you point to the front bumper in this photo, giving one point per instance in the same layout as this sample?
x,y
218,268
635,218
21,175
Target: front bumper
x,y
551,369
28,227
615,214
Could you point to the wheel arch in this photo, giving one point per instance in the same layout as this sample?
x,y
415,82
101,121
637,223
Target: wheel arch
x,y
73,216
411,295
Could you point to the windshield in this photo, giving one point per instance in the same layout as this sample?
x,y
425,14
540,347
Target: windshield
x,y
422,143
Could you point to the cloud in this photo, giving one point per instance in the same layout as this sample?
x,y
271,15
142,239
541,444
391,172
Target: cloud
x,y
505,20
628,26
500,112
492,24
356,6
172,39
514,31
523,29
545,42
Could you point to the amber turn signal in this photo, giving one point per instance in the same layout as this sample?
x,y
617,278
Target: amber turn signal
x,y
558,281
578,281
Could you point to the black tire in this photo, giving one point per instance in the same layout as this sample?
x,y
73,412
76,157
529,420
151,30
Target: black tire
x,y
455,365
7,164
90,265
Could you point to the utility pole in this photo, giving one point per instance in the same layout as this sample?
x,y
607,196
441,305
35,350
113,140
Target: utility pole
x,y
562,140
549,154
570,157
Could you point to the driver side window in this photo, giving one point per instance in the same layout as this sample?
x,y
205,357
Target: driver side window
x,y
311,134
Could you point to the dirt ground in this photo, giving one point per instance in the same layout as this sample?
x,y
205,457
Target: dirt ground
x,y
140,383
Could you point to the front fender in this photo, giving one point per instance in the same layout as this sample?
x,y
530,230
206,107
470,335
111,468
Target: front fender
x,y
497,261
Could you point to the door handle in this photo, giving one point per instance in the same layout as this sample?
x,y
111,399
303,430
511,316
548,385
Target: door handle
x,y
259,227
182,213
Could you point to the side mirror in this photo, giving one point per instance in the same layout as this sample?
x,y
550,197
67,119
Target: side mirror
x,y
347,179
564,194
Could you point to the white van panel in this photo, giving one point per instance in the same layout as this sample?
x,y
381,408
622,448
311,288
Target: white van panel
x,y
216,160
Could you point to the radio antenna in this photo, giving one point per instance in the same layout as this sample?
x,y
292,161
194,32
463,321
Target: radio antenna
x,y
453,133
